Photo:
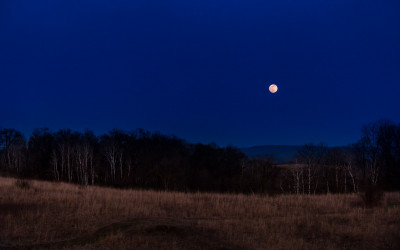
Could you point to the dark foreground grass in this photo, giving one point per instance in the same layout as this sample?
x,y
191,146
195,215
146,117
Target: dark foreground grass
x,y
62,216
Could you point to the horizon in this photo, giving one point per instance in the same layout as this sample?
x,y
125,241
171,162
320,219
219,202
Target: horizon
x,y
28,134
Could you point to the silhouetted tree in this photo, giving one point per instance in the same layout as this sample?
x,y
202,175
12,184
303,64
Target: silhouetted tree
x,y
377,154
312,156
40,148
12,150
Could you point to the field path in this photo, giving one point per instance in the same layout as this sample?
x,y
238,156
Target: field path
x,y
185,233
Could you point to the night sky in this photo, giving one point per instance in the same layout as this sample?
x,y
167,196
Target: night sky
x,y
200,70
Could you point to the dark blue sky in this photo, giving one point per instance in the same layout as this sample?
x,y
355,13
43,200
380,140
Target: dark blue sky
x,y
201,69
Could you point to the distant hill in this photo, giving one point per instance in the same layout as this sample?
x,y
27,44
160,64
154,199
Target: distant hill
x,y
281,153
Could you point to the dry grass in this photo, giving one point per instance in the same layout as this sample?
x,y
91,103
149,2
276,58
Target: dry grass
x,y
63,216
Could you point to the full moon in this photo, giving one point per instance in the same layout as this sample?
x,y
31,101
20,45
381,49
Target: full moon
x,y
273,88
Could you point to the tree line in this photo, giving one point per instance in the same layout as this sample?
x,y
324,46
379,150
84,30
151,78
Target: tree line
x,y
137,159
140,159
374,160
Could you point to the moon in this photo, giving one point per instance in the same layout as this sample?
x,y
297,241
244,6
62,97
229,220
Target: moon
x,y
273,88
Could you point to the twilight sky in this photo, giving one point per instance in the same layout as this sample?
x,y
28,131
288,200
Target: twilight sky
x,y
201,69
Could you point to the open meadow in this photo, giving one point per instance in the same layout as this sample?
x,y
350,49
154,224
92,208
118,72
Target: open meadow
x,y
40,215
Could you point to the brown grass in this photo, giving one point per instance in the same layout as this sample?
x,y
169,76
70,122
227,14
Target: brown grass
x,y
63,216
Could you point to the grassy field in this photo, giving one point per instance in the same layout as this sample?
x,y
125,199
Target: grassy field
x,y
63,216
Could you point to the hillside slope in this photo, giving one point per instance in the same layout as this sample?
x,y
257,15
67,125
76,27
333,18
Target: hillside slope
x,y
44,215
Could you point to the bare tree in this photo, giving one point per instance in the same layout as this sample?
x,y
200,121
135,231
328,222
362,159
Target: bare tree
x,y
350,169
298,177
308,155
54,162
12,148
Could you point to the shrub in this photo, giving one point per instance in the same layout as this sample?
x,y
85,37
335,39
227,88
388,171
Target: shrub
x,y
371,195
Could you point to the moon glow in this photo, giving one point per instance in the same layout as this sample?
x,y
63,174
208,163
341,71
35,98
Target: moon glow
x,y
273,88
